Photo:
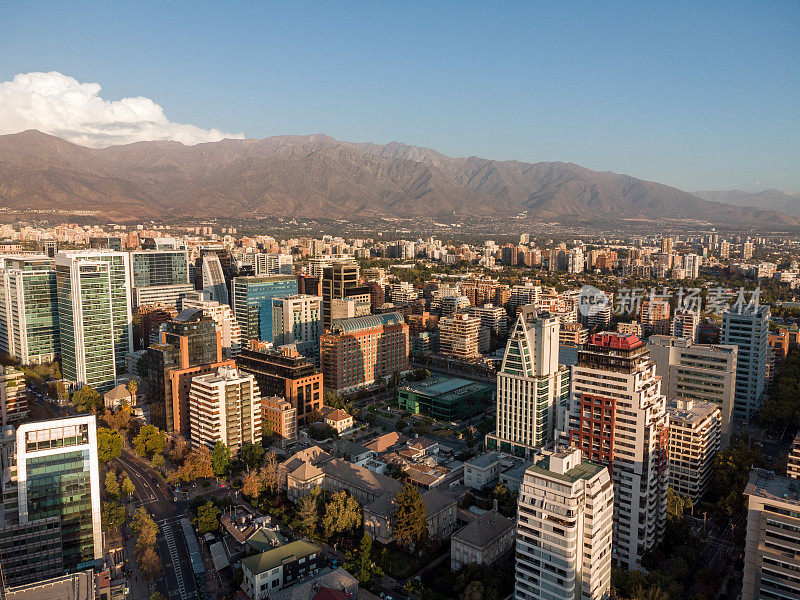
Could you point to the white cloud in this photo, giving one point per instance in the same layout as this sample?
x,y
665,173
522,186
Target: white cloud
x,y
60,105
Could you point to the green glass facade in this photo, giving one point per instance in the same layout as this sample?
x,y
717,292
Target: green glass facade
x,y
159,268
252,302
445,398
94,317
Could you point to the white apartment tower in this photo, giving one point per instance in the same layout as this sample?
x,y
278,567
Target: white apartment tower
x,y
748,329
298,320
224,319
225,407
530,385
702,372
564,524
617,416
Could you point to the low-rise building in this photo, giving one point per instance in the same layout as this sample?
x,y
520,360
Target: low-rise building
x,y
483,541
279,568
694,437
440,514
279,417
337,418
483,469
446,398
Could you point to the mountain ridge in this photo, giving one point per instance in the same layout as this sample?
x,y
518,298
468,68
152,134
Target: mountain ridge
x,y
319,176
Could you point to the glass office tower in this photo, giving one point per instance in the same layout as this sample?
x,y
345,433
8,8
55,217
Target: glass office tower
x,y
252,303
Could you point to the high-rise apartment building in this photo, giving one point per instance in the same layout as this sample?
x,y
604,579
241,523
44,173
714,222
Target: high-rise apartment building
x,y
159,276
522,295
273,264
566,507
29,309
617,416
363,351
286,373
747,250
225,407
685,323
654,316
694,438
748,329
191,345
793,462
459,336
297,319
227,324
691,264
494,318
530,385
667,245
771,559
94,315
252,303
702,372
51,500
13,396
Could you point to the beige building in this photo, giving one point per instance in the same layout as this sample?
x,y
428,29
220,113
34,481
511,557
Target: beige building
x,y
280,417
771,555
692,371
225,406
459,336
482,541
793,463
13,397
694,434
337,418
564,526
632,328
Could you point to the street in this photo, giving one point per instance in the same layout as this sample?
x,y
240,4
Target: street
x,y
178,582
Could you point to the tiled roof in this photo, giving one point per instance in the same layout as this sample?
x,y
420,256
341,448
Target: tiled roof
x,y
360,478
485,529
270,559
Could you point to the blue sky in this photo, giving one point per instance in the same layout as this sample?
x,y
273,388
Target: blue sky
x,y
697,95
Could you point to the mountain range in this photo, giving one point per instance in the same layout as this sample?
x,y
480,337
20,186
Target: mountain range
x,y
318,176
769,199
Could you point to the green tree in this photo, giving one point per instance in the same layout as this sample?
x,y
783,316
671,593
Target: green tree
x,y
360,562
113,516
410,524
158,461
208,517
88,399
220,458
308,514
342,513
197,464
127,487
732,470
150,441
251,455
145,529
109,444
112,485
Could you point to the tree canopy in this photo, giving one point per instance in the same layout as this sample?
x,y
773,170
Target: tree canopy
x,y
150,441
208,517
342,513
88,399
113,516
410,523
109,444
220,458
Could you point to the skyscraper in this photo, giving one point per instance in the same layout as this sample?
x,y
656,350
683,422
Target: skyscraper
x,y
297,320
459,336
339,280
684,324
617,416
565,506
159,276
51,516
748,329
213,278
530,384
225,407
252,303
28,309
94,315
226,322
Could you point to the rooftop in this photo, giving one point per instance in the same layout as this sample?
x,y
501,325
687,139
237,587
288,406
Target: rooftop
x,y
270,559
585,470
77,586
690,411
485,529
768,486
